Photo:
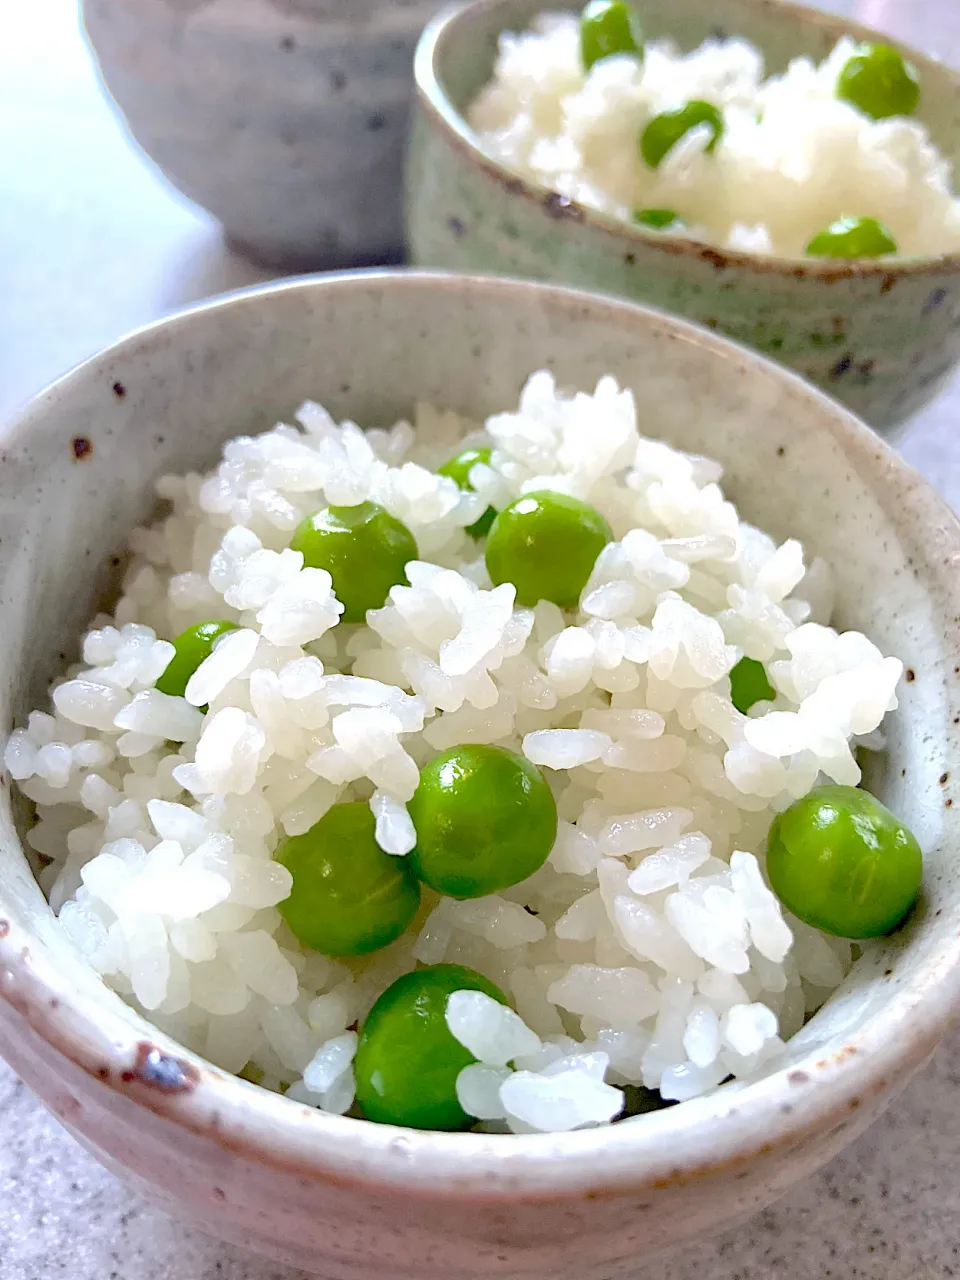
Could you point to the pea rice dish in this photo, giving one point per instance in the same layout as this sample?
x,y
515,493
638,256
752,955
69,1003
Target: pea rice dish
x,y
823,160
459,776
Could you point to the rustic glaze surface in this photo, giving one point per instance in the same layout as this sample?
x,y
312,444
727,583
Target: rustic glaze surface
x,y
881,337
284,118
343,1198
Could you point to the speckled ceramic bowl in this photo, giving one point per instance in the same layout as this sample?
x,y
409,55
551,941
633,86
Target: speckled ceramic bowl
x,y
880,336
351,1199
286,119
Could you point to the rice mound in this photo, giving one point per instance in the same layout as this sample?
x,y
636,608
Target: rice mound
x,y
793,157
648,950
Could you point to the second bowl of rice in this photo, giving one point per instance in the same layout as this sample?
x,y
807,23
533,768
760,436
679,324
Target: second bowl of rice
x,y
525,161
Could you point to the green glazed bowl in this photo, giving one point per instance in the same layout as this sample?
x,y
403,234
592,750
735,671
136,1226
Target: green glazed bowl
x,y
882,336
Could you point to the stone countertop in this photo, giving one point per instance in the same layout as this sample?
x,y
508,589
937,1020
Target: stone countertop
x,y
93,243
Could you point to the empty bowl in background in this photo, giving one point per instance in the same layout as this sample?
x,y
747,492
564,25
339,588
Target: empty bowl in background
x,y
881,335
286,121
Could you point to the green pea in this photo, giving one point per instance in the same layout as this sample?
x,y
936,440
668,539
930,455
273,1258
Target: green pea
x,y
485,819
851,237
407,1059
665,130
546,544
608,28
842,862
749,684
363,548
458,469
659,219
878,81
192,647
348,896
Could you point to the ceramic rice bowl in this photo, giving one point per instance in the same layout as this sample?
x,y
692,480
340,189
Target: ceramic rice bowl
x,y
881,336
346,1198
286,121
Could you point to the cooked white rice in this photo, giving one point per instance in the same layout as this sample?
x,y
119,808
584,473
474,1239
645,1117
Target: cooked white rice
x,y
647,951
793,157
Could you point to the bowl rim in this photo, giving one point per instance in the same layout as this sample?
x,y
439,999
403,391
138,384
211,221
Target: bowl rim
x,y
87,1026
433,99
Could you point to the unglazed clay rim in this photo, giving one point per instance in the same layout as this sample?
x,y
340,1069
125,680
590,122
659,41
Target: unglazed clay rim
x,y
91,1029
433,98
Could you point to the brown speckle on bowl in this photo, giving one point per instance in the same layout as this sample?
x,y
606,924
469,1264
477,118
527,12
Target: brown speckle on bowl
x,y
934,299
944,779
909,675
558,206
848,1051
82,447
457,226
841,367
119,390
887,283
161,1070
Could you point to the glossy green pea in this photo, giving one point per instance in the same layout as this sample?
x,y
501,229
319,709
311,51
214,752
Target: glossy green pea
x,y
659,219
458,469
192,646
749,684
546,544
851,237
407,1060
608,28
348,896
485,819
878,81
363,548
842,862
665,130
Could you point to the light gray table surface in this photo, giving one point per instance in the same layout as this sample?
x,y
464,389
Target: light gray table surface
x,y
92,243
